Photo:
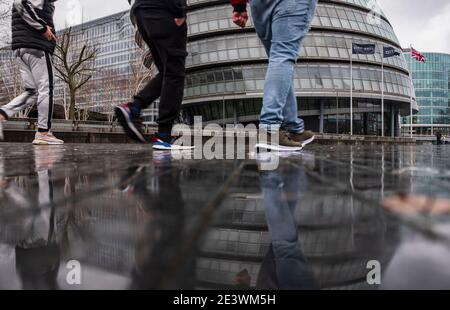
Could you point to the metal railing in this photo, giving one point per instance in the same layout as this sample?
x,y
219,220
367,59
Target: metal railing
x,y
77,126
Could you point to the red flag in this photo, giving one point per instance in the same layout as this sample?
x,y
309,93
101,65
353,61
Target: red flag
x,y
418,56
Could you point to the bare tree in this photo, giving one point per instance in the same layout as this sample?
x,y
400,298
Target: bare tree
x,y
83,114
5,21
5,13
109,79
65,102
88,95
74,65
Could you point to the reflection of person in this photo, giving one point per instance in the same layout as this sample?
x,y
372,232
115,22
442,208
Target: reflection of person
x,y
36,248
33,43
281,25
285,265
38,256
162,24
157,247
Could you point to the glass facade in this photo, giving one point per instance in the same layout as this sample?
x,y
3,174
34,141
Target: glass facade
x,y
227,67
118,65
432,85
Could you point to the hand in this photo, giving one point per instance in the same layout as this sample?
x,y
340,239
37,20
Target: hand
x,y
180,21
240,18
49,34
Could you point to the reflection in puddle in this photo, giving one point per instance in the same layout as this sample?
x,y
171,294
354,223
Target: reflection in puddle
x,y
285,265
136,219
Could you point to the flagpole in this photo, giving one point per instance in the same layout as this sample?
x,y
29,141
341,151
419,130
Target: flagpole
x,y
382,93
351,92
411,95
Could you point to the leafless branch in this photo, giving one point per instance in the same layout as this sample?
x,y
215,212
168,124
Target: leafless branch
x,y
74,66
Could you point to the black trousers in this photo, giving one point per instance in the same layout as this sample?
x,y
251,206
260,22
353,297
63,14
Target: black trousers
x,y
167,42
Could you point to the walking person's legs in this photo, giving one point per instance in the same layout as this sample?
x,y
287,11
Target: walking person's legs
x,y
42,70
293,124
152,90
36,71
291,121
284,23
24,100
168,43
129,114
27,98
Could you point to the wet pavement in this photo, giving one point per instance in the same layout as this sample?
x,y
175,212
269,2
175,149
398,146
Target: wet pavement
x,y
137,219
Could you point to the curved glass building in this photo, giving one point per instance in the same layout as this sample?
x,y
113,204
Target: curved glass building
x,y
432,83
227,65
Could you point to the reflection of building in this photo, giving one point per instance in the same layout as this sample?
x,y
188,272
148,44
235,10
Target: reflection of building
x,y
432,84
227,67
332,231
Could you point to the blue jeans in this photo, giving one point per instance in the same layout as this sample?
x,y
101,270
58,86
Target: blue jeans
x,y
281,25
291,268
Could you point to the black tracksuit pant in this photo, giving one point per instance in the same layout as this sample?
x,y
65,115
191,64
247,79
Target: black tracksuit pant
x,y
167,43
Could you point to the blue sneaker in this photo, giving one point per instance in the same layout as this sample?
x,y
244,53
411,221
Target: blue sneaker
x,y
132,124
165,142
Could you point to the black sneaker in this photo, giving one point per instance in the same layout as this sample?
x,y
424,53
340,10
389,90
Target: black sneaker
x,y
132,124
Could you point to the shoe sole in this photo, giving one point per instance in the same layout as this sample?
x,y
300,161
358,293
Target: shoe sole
x,y
131,130
173,148
43,142
310,140
278,148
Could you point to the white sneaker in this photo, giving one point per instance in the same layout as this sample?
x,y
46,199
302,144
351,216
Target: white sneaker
x,y
48,139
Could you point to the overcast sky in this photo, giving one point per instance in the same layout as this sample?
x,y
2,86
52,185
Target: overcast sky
x,y
424,24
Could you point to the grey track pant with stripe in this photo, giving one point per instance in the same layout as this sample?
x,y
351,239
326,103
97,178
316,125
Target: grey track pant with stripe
x,y
36,70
